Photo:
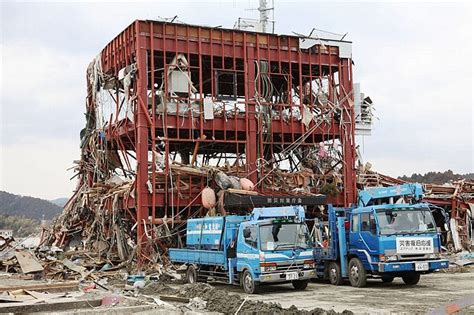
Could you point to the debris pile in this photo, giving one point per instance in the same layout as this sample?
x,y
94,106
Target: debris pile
x,y
457,199
55,264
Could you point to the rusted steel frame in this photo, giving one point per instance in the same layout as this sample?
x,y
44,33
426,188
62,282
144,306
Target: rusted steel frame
x,y
153,125
249,69
290,55
300,88
188,56
212,76
234,66
201,101
343,130
311,100
224,51
259,120
178,104
142,124
165,118
348,135
290,97
282,106
223,67
353,182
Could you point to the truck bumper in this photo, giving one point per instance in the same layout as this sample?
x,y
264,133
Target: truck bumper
x,y
281,276
404,266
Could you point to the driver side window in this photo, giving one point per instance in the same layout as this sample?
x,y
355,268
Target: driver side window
x,y
251,235
355,223
367,221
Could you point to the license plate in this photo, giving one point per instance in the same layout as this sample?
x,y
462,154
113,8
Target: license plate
x,y
421,266
291,276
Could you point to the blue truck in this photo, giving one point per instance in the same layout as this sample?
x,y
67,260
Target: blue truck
x,y
271,245
390,233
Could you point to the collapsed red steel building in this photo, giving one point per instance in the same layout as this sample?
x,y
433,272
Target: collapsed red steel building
x,y
173,110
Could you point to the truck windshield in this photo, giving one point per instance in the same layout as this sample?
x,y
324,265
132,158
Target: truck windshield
x,y
398,221
284,236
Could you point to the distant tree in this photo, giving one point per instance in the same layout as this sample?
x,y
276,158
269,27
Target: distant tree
x,y
28,207
438,178
20,225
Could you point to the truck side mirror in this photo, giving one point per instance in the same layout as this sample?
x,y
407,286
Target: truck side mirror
x,y
247,232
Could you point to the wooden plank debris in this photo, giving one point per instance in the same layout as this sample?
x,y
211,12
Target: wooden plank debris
x,y
79,269
174,298
53,287
28,263
56,305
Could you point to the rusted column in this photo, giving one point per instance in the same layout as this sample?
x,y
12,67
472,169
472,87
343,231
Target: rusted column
x,y
141,123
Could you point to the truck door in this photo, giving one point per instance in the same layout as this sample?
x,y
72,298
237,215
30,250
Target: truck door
x,y
366,240
247,249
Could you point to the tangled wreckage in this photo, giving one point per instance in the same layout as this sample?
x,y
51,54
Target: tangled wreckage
x,y
185,121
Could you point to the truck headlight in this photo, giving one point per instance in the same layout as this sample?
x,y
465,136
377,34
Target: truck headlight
x,y
384,258
308,264
434,256
268,267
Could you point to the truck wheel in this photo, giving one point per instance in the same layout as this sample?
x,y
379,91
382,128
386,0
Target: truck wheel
x,y
335,275
248,284
191,274
357,273
411,279
387,279
300,284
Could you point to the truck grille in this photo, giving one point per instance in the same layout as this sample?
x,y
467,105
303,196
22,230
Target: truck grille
x,y
413,257
290,267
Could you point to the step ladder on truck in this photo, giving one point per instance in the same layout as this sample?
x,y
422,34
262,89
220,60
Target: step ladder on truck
x,y
390,233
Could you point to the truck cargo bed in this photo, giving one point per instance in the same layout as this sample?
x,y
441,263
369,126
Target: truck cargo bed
x,y
198,256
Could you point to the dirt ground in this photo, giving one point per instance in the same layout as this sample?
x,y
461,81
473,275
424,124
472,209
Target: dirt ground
x,y
433,290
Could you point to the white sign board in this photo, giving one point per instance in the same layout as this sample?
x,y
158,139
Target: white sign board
x,y
414,245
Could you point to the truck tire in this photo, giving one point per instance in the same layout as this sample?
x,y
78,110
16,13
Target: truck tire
x,y
411,278
300,284
334,273
387,279
191,274
248,284
357,273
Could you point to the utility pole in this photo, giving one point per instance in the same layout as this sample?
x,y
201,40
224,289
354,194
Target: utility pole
x,y
263,15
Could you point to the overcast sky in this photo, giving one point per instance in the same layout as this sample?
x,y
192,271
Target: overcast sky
x,y
414,60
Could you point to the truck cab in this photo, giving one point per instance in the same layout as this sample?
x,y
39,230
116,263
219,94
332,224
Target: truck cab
x,y
396,240
380,238
274,250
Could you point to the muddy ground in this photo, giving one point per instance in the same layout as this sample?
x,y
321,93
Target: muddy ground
x,y
319,298
434,290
